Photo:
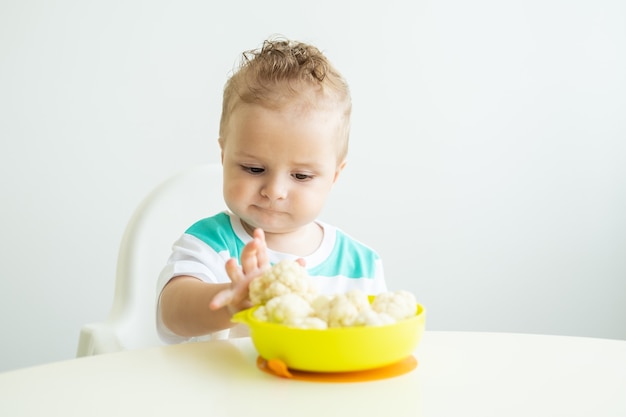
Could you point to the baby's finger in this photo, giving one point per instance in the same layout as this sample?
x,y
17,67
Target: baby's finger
x,y
240,282
221,299
226,297
240,289
234,270
249,256
262,257
259,234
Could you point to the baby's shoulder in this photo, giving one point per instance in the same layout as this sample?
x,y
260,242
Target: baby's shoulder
x,y
214,230
344,242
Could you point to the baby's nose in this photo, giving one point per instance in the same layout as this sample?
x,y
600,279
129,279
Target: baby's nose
x,y
275,188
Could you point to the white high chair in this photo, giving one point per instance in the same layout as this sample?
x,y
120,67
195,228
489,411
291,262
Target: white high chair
x,y
159,220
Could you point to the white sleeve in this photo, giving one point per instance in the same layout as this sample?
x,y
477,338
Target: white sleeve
x,y
190,256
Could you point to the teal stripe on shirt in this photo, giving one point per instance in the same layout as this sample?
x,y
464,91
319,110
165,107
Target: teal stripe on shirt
x,y
348,258
217,232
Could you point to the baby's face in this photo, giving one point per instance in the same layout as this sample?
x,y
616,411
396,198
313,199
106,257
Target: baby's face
x,y
280,165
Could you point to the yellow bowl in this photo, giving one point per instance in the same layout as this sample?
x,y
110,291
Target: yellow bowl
x,y
344,349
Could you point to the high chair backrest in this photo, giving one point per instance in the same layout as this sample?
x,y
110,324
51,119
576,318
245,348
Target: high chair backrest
x,y
158,221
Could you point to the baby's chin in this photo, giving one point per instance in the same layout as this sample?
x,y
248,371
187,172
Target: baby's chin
x,y
270,228
250,225
270,222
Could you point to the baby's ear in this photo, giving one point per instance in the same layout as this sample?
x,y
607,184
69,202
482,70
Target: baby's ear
x,y
220,142
340,168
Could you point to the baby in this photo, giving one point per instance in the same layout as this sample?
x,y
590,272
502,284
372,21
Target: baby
x,y
284,140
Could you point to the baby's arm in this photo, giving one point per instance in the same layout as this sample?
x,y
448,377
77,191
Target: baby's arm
x,y
184,307
191,307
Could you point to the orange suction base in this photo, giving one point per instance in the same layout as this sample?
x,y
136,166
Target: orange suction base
x,y
278,368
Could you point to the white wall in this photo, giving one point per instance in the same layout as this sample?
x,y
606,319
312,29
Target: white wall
x,y
486,162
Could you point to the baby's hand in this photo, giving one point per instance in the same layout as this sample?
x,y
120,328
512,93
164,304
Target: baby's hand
x,y
254,261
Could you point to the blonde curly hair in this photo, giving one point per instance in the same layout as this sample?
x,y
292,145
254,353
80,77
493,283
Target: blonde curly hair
x,y
282,70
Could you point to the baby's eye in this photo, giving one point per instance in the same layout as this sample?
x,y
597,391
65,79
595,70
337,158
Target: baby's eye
x,y
302,177
253,170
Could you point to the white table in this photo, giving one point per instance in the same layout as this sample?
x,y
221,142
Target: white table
x,y
459,374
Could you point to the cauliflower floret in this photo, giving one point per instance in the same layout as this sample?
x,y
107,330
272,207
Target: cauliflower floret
x,y
372,318
359,299
310,323
282,278
287,309
260,313
354,309
321,307
341,311
399,304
